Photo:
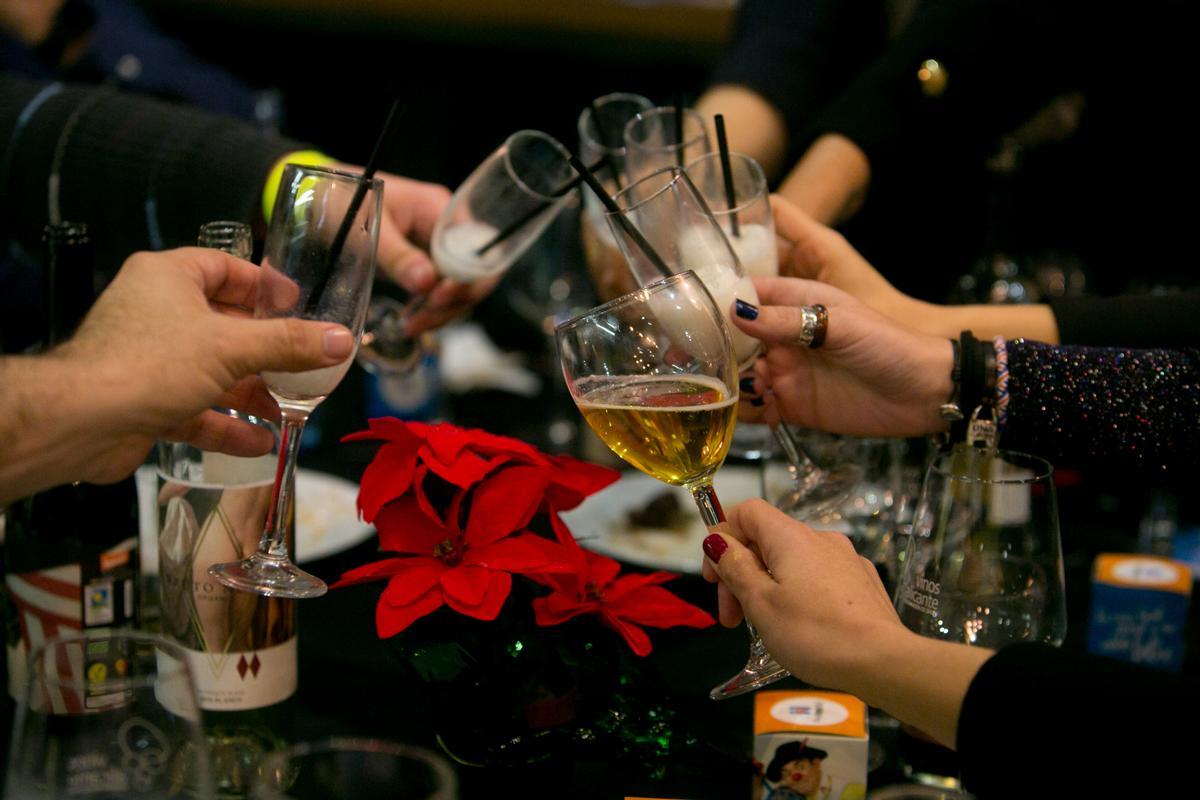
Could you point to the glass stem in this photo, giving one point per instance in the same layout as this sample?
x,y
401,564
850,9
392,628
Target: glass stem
x,y
710,507
804,471
274,544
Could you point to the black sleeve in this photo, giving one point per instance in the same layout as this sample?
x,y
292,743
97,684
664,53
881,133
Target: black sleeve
x,y
1144,320
1124,408
799,54
143,174
1038,721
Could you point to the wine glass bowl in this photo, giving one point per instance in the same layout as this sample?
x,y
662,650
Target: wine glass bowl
x,y
318,264
664,136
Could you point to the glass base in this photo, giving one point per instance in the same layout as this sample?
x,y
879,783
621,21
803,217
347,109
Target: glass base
x,y
271,576
820,499
760,670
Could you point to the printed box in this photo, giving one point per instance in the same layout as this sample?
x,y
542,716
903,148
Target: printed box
x,y
1139,609
811,744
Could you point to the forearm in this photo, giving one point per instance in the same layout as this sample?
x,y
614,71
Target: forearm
x,y
830,182
918,680
754,126
1035,322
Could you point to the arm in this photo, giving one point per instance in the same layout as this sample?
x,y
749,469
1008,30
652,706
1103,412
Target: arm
x,y
147,363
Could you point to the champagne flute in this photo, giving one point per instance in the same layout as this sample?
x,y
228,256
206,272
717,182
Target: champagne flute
x,y
105,714
666,136
317,265
492,219
749,225
654,375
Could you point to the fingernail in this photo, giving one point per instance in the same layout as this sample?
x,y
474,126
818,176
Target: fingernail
x,y
745,310
714,547
338,343
747,385
757,401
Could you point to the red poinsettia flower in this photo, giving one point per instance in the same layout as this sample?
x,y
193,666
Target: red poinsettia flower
x,y
464,554
623,602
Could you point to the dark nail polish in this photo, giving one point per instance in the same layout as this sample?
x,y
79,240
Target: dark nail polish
x,y
747,385
756,402
714,547
745,310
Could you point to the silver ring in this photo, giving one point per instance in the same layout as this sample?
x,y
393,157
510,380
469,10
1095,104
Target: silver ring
x,y
810,321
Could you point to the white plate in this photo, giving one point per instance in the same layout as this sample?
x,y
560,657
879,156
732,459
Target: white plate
x,y
601,523
326,516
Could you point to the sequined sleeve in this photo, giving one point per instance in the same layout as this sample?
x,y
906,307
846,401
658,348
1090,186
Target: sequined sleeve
x,y
1134,408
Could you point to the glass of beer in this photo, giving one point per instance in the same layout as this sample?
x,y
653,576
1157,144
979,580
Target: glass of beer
x,y
654,374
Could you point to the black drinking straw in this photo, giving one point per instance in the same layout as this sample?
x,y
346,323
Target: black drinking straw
x,y
727,172
521,221
382,144
629,228
679,129
606,140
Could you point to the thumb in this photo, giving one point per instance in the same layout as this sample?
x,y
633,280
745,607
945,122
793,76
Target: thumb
x,y
403,262
284,345
803,233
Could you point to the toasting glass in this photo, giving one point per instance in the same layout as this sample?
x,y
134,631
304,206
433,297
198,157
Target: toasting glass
x,y
350,767
318,264
665,136
108,714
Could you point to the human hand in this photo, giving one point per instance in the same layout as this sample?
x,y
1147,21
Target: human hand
x,y
815,602
871,377
168,339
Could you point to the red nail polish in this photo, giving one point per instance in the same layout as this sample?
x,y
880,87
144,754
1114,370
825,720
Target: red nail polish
x,y
715,546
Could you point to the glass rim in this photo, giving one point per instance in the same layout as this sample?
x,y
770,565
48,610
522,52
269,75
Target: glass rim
x,y
642,293
677,173
516,179
658,111
1042,469
375,184
278,759
758,176
599,102
179,668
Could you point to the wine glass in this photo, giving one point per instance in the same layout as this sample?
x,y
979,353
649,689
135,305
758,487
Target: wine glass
x,y
318,264
749,225
601,130
983,564
492,219
654,375
108,713
351,767
665,136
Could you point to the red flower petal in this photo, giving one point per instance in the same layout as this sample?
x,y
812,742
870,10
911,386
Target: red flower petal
x,y
388,429
404,528
602,570
635,581
388,476
573,480
526,553
562,532
658,608
390,620
499,587
466,585
418,577
556,608
374,571
504,503
637,639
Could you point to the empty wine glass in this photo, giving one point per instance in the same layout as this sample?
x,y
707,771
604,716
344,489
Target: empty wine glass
x,y
665,136
350,767
105,714
492,219
318,264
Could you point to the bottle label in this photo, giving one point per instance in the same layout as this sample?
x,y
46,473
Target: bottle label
x,y
238,681
99,592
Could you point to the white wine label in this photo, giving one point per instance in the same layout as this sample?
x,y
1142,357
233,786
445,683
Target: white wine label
x,y
245,680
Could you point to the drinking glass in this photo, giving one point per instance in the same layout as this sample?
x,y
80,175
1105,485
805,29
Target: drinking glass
x,y
107,714
749,225
982,566
349,767
665,136
601,131
654,375
492,218
318,264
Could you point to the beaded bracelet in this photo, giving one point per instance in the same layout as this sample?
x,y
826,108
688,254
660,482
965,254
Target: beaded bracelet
x,y
1000,347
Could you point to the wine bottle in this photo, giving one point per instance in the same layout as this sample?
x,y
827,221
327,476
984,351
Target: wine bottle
x,y
71,559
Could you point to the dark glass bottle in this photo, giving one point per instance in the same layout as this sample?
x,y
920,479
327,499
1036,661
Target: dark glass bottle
x,y
71,552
